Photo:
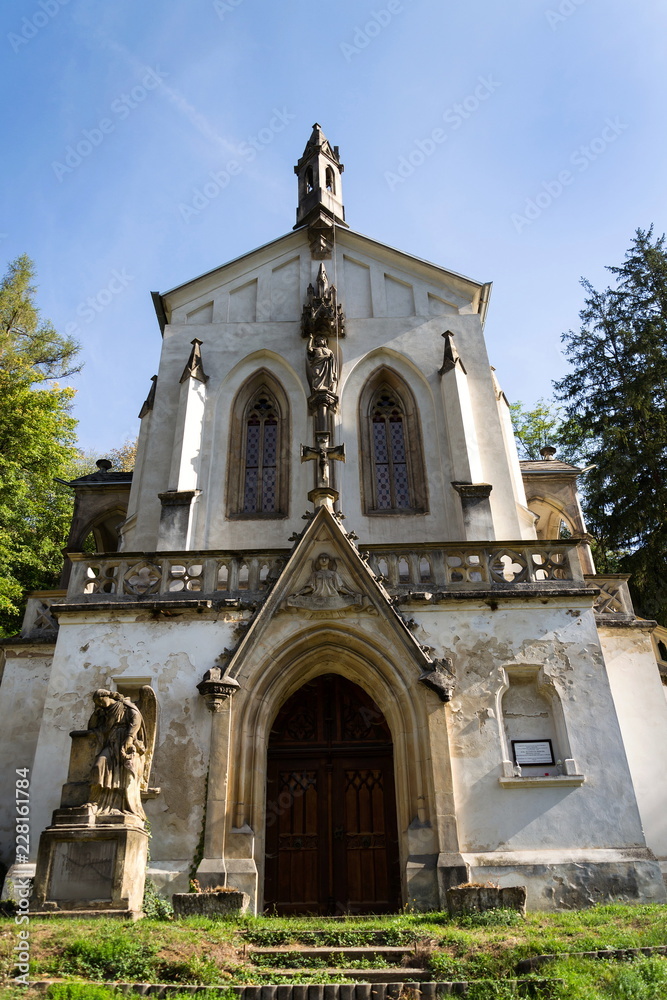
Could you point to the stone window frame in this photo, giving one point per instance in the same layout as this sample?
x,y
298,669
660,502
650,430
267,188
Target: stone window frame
x,y
546,688
260,381
382,377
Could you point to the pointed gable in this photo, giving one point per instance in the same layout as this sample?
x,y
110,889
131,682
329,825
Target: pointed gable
x,y
326,578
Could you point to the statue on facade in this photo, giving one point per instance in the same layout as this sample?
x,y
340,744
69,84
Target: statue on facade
x,y
321,366
325,589
324,580
120,768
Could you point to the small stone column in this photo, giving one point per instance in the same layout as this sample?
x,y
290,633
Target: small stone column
x,y
217,690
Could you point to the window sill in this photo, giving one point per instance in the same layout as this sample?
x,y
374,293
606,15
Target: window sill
x,y
551,781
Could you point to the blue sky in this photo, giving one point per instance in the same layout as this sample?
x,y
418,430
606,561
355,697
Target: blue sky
x,y
520,143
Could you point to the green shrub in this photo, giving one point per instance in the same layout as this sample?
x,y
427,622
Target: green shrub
x,y
155,906
645,979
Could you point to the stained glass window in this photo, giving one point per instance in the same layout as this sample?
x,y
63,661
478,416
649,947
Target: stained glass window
x,y
391,479
261,456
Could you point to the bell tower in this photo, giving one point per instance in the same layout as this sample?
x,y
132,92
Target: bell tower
x,y
319,172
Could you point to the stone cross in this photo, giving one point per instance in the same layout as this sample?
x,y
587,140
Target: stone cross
x,y
323,453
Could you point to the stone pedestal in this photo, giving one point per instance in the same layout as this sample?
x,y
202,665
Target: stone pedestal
x,y
87,865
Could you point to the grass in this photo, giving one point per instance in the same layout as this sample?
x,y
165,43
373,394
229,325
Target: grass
x,y
483,949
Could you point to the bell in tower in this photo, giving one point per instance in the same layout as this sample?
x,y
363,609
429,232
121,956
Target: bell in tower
x,y
320,195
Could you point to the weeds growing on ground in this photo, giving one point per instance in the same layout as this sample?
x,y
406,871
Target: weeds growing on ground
x,y
483,950
114,956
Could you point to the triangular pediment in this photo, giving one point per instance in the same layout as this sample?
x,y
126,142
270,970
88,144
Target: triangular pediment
x,y
326,578
203,297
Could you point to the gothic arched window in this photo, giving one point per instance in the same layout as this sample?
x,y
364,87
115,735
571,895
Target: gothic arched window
x,y
391,460
259,468
331,182
261,456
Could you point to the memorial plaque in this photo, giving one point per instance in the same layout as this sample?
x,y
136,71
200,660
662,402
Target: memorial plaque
x,y
528,752
83,870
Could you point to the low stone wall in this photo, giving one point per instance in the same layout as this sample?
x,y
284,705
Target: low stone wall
x,y
210,904
476,899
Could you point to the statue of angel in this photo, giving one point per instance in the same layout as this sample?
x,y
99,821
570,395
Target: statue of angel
x,y
126,738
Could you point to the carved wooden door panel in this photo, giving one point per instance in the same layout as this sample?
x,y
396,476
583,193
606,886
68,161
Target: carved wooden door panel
x,y
331,839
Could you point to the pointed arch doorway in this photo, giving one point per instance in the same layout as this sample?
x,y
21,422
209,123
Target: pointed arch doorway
x,y
331,832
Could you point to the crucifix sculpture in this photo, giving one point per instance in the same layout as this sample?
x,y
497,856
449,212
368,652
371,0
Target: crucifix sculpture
x,y
323,453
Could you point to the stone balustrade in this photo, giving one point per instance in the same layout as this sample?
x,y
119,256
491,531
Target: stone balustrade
x,y
403,570
173,574
475,565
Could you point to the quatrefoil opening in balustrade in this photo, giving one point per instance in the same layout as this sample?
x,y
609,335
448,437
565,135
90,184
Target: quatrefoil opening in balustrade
x,y
550,565
185,577
464,567
508,566
101,578
142,579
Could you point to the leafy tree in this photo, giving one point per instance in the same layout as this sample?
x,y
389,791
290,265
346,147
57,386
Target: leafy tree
x,y
123,458
36,443
617,391
540,426
85,462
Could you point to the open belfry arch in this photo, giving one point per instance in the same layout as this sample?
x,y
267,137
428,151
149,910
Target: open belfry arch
x,y
356,651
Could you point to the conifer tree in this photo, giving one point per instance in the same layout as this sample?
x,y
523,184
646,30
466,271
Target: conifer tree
x,y
615,401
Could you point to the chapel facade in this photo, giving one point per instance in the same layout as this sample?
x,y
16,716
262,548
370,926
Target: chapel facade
x,y
380,665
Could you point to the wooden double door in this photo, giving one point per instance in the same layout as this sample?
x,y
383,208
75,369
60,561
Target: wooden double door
x,y
331,837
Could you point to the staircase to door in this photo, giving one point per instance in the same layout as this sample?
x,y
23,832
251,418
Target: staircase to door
x,y
332,844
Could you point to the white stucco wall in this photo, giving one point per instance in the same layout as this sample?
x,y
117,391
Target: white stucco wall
x,y
559,638
642,713
25,679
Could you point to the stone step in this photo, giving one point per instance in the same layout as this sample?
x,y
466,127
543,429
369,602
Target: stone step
x,y
321,951
399,974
